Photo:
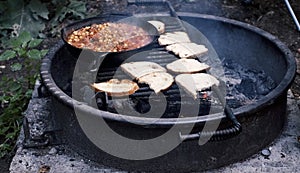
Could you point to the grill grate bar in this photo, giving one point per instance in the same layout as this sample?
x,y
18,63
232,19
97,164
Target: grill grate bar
x,y
173,94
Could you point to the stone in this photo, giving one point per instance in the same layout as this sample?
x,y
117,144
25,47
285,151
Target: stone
x,y
52,151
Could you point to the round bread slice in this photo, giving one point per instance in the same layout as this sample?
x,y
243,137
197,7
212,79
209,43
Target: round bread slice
x,y
187,66
157,81
160,26
117,88
141,68
170,38
192,83
187,50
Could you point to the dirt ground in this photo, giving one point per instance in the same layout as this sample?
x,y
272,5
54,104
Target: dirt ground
x,y
269,15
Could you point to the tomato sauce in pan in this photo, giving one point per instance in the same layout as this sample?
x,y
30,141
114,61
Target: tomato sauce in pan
x,y
109,37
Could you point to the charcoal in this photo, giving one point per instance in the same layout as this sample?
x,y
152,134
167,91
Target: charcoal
x,y
141,106
247,87
264,84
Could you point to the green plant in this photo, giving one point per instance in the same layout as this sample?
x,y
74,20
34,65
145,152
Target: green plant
x,y
17,16
16,89
21,23
33,16
66,9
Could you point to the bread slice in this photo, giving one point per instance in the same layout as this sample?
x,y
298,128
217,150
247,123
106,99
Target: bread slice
x,y
117,88
187,50
192,83
157,80
160,26
187,66
141,68
173,37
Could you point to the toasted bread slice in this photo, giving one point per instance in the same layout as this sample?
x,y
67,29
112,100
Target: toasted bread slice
x,y
157,80
192,83
117,88
187,50
160,26
187,66
141,68
173,37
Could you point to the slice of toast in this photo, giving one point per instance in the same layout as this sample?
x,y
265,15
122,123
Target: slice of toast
x,y
187,66
173,37
160,26
187,50
141,68
117,88
157,80
192,83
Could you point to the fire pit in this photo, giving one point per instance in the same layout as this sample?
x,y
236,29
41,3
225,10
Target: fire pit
x,y
238,45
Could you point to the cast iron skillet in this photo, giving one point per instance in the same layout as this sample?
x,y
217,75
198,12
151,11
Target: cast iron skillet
x,y
150,29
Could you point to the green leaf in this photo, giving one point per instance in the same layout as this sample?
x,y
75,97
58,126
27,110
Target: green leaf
x,y
5,146
35,42
13,43
4,130
15,86
11,135
78,8
39,9
34,54
16,67
7,55
24,38
21,51
13,10
58,13
28,93
44,52
17,13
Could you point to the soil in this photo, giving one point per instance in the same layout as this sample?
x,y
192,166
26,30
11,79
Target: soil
x,y
271,16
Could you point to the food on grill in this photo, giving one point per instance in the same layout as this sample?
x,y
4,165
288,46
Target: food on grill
x,y
150,73
141,68
187,66
187,50
109,37
117,88
173,37
157,80
192,83
160,26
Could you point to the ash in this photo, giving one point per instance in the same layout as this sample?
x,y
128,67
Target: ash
x,y
244,85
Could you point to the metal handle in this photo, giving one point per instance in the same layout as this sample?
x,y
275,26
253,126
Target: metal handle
x,y
218,134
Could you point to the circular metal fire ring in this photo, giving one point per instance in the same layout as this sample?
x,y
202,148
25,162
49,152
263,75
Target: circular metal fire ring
x,y
262,121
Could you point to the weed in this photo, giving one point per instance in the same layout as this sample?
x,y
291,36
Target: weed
x,y
23,26
16,90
